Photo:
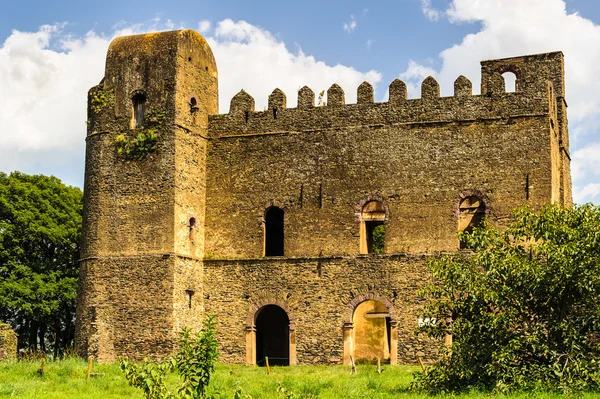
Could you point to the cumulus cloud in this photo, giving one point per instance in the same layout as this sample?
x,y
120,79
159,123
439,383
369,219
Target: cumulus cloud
x,y
350,26
45,76
431,13
516,27
204,26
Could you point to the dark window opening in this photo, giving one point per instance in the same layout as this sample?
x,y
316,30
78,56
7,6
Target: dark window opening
x,y
139,110
190,59
471,215
192,228
247,115
272,336
274,113
193,105
190,294
274,232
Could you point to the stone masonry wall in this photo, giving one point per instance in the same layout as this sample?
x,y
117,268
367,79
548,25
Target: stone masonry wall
x,y
8,342
318,293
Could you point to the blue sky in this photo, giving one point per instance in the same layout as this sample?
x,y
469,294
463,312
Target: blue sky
x,y
52,52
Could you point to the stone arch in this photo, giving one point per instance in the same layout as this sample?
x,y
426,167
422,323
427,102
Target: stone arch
x,y
503,69
349,328
472,193
370,198
253,312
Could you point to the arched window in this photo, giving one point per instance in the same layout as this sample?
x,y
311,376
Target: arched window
x,y
194,105
139,110
471,214
510,82
274,232
372,229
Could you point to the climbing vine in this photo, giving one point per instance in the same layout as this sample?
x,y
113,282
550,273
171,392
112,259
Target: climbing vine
x,y
138,148
98,99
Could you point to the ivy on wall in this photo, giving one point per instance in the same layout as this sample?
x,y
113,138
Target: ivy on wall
x,y
138,148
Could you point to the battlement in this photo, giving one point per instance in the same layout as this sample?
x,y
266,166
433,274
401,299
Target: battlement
x,y
539,83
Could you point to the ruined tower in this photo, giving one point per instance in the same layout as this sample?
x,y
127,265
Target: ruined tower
x,y
305,230
143,231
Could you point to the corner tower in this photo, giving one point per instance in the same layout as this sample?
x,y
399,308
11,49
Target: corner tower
x,y
143,233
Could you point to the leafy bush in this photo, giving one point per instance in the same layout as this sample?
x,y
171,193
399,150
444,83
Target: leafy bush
x,y
138,148
194,362
523,308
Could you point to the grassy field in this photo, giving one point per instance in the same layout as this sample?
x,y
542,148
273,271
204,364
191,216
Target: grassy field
x,y
67,379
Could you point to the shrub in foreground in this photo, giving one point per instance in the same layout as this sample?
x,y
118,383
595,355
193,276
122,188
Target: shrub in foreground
x,y
194,362
523,308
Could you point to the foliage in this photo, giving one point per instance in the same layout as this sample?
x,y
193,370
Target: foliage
x,y
523,308
196,358
98,99
379,239
40,226
137,149
194,362
149,377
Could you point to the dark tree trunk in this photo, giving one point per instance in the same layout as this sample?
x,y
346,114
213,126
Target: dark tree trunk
x,y
42,335
33,333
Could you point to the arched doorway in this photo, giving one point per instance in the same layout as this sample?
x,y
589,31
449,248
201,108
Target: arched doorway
x,y
370,330
371,333
272,336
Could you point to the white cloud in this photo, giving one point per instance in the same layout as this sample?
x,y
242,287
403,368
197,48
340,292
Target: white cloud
x,y
431,13
269,64
586,162
370,43
45,76
204,26
350,26
589,193
517,27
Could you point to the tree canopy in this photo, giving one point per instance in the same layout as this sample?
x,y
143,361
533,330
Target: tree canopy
x,y
40,226
523,308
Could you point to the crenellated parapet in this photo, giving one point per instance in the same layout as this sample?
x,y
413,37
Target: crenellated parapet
x,y
531,98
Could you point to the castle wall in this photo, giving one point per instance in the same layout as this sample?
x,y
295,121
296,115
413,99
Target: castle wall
x,y
320,164
318,295
127,309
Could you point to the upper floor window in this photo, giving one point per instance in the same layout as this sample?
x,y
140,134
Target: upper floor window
x,y
274,232
139,110
372,229
471,214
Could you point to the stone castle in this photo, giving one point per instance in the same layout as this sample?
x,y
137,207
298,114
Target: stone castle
x,y
305,230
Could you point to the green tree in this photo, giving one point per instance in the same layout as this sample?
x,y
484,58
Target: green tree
x,y
40,226
522,308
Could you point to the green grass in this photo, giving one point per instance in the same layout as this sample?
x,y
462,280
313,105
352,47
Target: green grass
x,y
67,379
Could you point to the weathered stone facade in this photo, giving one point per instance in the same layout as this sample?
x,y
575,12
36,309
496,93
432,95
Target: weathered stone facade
x,y
8,342
266,219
